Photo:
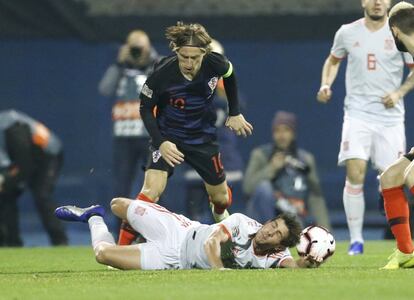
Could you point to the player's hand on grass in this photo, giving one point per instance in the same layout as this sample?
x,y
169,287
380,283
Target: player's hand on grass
x,y
391,99
313,261
171,154
239,125
324,94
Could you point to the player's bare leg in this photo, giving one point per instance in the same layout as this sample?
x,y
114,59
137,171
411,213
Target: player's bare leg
x,y
154,185
103,243
354,203
120,257
397,210
221,198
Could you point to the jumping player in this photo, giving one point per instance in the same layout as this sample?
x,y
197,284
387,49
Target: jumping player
x,y
177,110
373,127
400,173
176,242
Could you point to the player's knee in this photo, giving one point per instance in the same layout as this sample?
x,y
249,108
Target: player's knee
x,y
355,176
409,176
391,177
119,207
101,254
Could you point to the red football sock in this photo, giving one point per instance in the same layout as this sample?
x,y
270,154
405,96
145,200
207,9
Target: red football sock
x,y
397,210
127,234
145,198
219,209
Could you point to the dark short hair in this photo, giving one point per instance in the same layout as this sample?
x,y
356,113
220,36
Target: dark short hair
x,y
295,228
403,19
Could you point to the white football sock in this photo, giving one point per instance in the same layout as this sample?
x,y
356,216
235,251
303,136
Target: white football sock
x,y
354,204
99,232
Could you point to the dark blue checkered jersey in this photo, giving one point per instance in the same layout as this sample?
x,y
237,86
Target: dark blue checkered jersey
x,y
185,111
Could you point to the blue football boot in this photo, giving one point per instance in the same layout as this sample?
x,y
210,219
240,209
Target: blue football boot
x,y
77,214
356,248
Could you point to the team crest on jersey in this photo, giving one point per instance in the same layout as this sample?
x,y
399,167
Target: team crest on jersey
x,y
140,210
146,91
213,83
235,231
156,155
389,44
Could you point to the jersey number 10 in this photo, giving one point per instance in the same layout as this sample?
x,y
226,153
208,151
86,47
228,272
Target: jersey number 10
x,y
371,61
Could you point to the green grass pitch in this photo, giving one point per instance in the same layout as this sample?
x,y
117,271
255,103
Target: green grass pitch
x,y
72,273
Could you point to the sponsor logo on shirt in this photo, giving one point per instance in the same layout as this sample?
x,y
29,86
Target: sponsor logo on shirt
x,y
147,91
213,83
156,155
356,44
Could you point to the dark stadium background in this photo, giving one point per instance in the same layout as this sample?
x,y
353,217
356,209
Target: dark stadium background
x,y
53,54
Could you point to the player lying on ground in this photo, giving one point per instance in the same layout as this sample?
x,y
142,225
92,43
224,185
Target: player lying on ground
x,y
176,242
401,172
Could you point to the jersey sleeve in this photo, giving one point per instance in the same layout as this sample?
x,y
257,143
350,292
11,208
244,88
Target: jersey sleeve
x,y
408,59
281,256
338,49
149,99
147,91
220,64
231,226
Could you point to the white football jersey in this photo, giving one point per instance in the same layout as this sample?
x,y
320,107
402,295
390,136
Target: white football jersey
x,y
238,252
374,69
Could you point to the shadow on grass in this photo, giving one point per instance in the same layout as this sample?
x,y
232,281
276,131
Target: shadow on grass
x,y
51,272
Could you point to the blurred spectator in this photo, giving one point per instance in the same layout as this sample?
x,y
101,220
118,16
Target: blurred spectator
x,y
30,155
196,195
281,177
123,81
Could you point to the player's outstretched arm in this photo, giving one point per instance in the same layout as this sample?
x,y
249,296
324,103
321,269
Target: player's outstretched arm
x,y
235,122
329,73
302,262
212,246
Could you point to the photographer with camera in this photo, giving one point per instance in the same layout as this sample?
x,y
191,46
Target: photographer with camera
x,y
282,178
31,157
123,81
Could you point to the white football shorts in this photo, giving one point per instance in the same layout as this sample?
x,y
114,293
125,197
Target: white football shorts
x,y
164,232
369,141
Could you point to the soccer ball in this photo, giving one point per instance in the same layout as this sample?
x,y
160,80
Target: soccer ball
x,y
317,242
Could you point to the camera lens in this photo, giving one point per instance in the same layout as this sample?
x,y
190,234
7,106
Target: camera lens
x,y
135,52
